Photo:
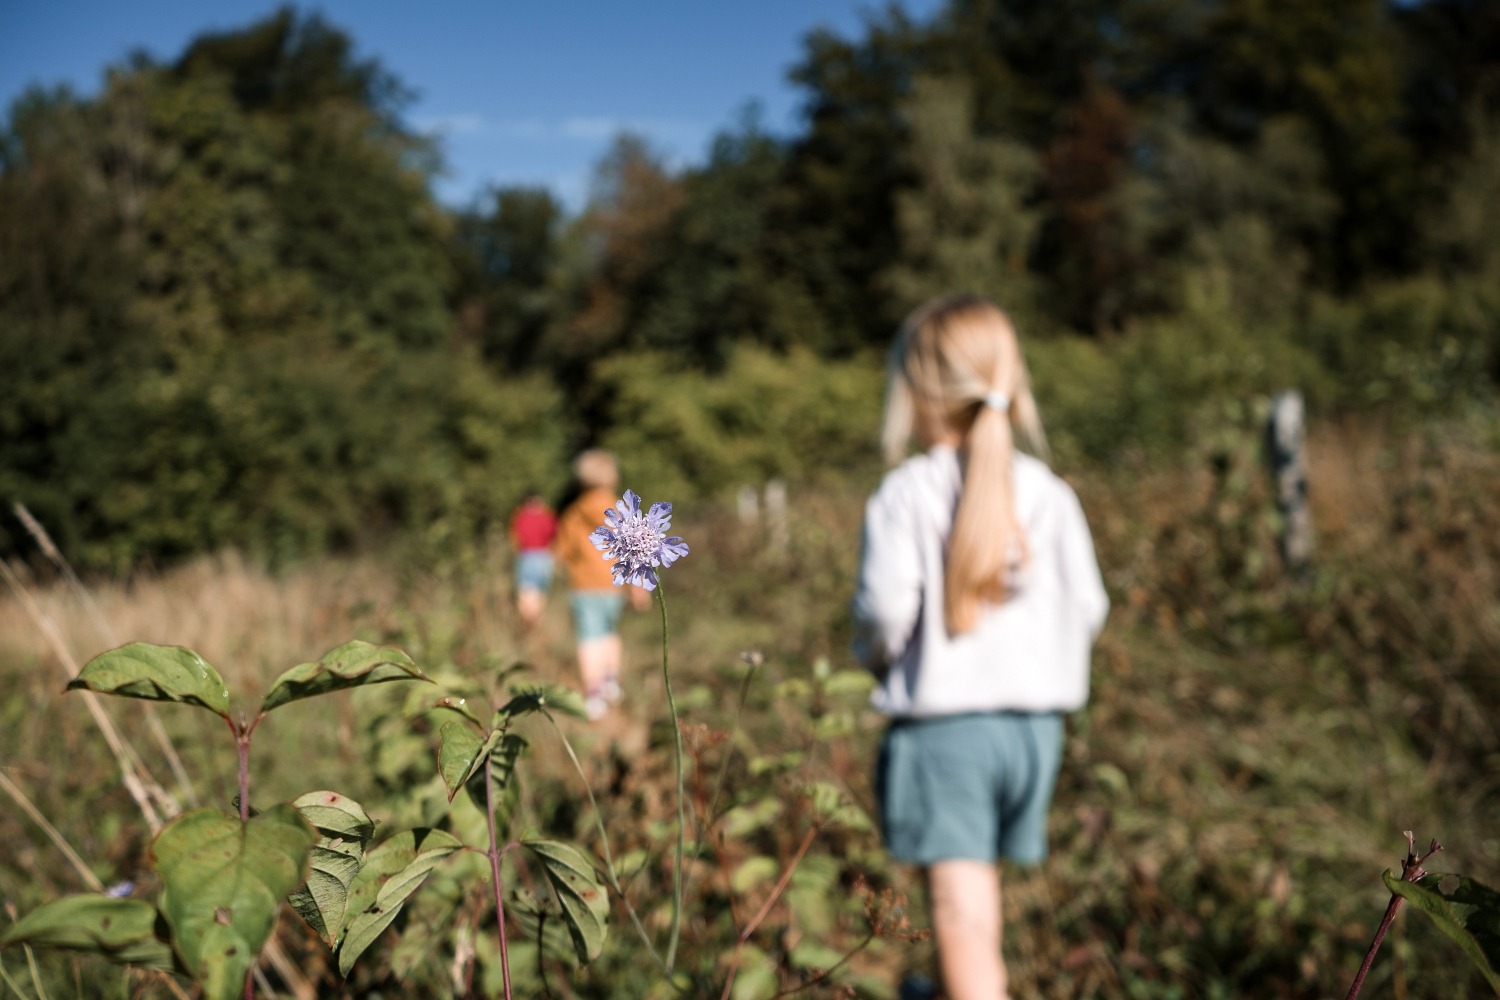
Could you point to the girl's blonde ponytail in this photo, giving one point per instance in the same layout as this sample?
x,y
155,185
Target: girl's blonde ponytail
x,y
957,377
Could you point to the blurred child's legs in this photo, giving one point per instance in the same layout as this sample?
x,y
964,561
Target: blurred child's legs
x,y
956,794
529,605
965,899
533,577
596,620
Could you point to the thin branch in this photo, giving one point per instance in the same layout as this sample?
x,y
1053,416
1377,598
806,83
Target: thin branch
x,y
765,909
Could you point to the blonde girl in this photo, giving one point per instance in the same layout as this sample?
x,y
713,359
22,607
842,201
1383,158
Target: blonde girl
x,y
978,601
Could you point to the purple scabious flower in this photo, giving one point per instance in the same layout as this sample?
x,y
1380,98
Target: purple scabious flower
x,y
638,542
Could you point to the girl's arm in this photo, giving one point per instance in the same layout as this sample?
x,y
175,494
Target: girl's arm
x,y
888,597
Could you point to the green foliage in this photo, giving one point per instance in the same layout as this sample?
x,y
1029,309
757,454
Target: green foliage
x,y
233,316
763,416
353,664
156,673
391,873
968,222
122,930
1465,910
345,832
584,902
222,881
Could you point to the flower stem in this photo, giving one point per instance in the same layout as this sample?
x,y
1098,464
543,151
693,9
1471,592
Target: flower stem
x,y
494,852
666,673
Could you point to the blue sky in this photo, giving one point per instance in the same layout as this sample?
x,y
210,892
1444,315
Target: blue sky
x,y
521,91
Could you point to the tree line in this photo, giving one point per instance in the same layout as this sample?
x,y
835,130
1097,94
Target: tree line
x,y
232,312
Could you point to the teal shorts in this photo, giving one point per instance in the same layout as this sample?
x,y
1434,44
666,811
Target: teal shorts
x,y
971,787
596,613
534,569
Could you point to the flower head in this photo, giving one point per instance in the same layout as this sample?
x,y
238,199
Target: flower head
x,y
638,542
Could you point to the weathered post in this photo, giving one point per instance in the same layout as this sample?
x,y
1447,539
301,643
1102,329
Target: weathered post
x,y
776,523
1287,446
747,504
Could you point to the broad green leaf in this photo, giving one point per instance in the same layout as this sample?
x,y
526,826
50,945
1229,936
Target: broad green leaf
x,y
156,673
461,752
121,930
752,872
584,902
353,664
346,831
1468,912
392,872
503,759
222,881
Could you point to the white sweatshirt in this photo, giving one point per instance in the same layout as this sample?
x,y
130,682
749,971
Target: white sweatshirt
x,y
1030,653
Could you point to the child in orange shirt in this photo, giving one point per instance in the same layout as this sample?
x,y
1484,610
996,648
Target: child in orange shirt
x,y
595,601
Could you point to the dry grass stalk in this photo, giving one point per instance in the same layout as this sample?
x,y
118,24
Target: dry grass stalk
x,y
101,625
145,791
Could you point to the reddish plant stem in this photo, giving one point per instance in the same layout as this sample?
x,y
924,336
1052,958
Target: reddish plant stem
x,y
765,909
494,852
1385,925
1411,870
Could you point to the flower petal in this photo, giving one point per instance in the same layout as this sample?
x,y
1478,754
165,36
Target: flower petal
x,y
672,549
602,538
631,503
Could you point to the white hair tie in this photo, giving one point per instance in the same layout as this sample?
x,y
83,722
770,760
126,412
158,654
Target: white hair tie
x,y
997,400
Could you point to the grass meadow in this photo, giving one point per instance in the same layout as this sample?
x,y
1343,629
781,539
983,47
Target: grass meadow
x,y
1253,751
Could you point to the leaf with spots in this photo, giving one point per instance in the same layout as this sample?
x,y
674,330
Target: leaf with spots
x,y
125,931
345,831
222,881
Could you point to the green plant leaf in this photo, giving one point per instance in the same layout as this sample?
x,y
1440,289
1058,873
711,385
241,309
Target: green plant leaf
x,y
584,902
156,673
503,759
541,923
336,860
336,815
453,703
461,752
393,871
1467,911
353,664
756,976
222,881
121,930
